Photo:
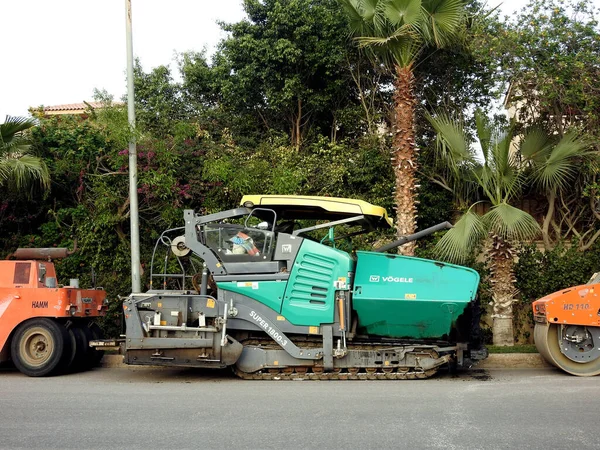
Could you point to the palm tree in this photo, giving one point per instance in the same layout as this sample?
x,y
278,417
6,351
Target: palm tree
x,y
20,170
499,178
395,32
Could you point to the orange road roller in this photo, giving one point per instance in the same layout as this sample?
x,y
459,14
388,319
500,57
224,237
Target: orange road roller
x,y
45,328
567,328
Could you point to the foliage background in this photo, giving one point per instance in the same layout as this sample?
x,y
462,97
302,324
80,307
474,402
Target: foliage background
x,y
288,104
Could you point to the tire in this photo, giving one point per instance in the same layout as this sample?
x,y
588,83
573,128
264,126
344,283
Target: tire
x,y
89,352
78,359
97,333
41,347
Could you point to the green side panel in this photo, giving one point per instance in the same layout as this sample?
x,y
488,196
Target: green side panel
x,y
405,297
269,293
310,295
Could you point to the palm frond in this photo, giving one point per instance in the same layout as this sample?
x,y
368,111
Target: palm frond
x,y
403,33
535,146
484,133
459,243
513,183
500,176
562,162
406,31
443,19
370,9
379,20
500,150
352,8
18,146
511,223
12,133
506,163
400,48
15,125
362,15
405,51
403,12
394,31
451,138
22,171
4,172
454,158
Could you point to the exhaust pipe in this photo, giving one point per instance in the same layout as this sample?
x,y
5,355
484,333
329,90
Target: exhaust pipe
x,y
413,237
41,253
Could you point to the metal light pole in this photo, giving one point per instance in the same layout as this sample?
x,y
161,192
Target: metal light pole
x,y
133,194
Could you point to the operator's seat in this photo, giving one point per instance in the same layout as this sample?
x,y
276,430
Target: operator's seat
x,y
285,227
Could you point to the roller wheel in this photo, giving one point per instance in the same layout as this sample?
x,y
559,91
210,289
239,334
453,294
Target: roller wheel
x,y
41,347
90,357
79,353
97,333
546,339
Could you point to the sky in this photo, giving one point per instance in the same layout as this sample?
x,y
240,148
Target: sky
x,y
57,52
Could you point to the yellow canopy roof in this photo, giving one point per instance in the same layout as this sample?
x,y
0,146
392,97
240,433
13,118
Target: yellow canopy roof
x,y
320,208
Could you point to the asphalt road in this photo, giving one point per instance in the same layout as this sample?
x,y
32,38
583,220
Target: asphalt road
x,y
133,408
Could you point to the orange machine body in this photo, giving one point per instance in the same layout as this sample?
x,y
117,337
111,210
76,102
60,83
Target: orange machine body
x,y
24,294
579,305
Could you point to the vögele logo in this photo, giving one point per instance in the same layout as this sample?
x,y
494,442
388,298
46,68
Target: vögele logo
x,y
389,279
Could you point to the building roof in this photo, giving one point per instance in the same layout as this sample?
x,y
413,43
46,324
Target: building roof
x,y
71,108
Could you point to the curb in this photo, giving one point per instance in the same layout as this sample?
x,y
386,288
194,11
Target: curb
x,y
493,361
514,361
112,361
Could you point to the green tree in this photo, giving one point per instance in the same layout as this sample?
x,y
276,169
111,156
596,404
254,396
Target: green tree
x,y
396,32
283,70
549,55
158,100
19,169
499,178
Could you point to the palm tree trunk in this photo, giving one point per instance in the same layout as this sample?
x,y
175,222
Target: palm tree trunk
x,y
548,219
404,155
503,291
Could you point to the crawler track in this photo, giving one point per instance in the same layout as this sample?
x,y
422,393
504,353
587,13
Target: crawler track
x,y
316,373
303,374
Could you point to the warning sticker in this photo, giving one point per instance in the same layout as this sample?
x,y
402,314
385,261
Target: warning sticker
x,y
210,303
410,296
340,283
248,284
